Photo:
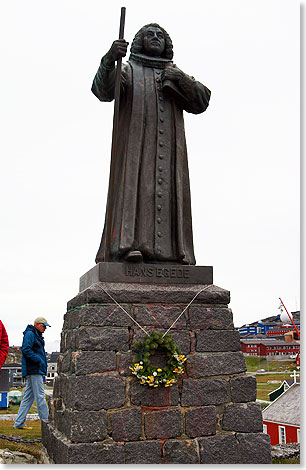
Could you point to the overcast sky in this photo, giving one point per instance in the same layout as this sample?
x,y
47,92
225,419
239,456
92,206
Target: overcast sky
x,y
243,152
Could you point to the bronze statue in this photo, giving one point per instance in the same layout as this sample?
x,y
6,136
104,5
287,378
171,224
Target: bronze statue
x,y
151,210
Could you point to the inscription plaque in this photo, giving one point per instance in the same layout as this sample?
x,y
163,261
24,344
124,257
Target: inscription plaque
x,y
146,274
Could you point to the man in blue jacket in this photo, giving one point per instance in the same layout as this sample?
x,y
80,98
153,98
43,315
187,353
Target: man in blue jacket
x,y
34,367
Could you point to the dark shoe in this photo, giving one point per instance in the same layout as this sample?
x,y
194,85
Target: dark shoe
x,y
134,256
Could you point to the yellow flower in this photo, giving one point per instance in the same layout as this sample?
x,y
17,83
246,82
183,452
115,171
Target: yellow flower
x,y
159,370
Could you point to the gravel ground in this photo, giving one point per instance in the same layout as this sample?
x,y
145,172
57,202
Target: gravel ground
x,y
10,417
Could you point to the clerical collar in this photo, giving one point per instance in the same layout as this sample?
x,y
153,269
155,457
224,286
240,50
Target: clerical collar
x,y
150,61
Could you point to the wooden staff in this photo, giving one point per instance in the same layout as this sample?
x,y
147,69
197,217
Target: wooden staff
x,y
109,223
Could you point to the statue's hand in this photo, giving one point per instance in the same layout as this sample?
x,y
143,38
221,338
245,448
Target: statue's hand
x,y
117,50
173,73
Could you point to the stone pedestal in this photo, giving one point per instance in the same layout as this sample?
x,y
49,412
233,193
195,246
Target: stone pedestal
x,y
100,414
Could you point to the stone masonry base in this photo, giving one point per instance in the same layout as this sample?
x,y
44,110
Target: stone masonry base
x,y
99,412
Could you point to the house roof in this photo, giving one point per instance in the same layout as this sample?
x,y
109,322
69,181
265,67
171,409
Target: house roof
x,y
54,357
282,326
11,365
286,408
289,382
269,342
254,340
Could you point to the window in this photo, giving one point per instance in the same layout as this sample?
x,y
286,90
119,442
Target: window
x,y
265,428
298,435
282,434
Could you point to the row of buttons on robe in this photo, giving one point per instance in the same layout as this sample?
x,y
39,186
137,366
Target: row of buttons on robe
x,y
161,145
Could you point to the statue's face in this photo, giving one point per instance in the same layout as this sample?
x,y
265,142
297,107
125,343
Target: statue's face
x,y
154,41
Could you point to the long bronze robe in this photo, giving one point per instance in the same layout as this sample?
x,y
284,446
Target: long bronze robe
x,y
151,204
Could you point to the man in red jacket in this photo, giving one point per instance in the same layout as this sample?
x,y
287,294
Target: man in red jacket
x,y
4,345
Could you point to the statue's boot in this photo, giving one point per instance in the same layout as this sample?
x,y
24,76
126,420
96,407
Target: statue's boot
x,y
134,256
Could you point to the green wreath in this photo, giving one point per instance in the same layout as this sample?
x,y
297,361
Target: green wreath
x,y
157,377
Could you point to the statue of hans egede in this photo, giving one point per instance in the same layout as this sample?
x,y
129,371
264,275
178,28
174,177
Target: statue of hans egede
x,y
151,209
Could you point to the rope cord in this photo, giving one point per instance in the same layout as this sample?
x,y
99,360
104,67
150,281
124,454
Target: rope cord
x,y
204,288
126,313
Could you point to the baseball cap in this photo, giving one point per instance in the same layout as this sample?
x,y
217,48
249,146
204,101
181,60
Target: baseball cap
x,y
41,320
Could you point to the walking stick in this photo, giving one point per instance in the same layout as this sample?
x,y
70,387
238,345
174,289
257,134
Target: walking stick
x,y
109,222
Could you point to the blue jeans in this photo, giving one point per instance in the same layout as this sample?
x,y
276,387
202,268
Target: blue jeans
x,y
34,391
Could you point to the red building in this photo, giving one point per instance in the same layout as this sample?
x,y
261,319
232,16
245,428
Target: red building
x,y
269,347
281,419
279,330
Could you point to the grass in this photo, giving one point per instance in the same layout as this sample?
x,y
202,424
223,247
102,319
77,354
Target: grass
x,y
255,363
275,373
268,383
294,460
7,428
13,409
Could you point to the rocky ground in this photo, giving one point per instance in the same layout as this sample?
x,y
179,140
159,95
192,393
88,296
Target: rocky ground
x,y
286,451
16,458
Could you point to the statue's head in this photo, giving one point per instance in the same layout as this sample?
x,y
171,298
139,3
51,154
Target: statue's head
x,y
153,40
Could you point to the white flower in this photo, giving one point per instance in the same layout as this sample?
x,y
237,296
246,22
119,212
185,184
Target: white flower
x,y
154,373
